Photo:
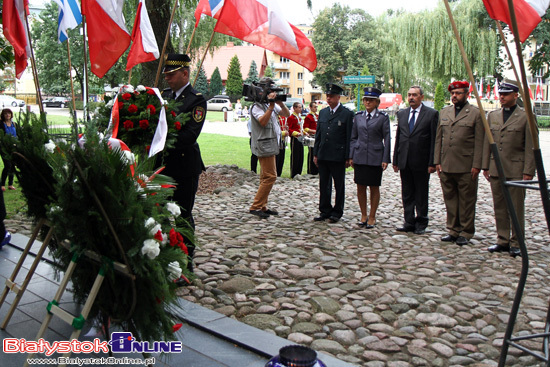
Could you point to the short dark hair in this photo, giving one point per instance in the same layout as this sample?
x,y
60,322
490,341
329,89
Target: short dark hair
x,y
296,104
312,103
4,111
419,89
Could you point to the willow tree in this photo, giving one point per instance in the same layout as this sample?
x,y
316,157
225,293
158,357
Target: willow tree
x,y
421,47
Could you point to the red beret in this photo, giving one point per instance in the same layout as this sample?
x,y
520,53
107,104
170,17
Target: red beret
x,y
458,84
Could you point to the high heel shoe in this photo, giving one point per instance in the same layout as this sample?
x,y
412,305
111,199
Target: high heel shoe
x,y
370,226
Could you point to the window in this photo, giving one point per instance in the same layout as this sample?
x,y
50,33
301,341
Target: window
x,y
284,60
285,75
286,90
300,76
300,91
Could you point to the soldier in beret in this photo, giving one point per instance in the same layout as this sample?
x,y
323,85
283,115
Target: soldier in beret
x,y
184,162
515,148
457,158
331,154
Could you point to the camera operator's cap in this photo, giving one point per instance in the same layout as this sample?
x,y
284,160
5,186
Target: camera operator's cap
x,y
372,92
175,62
458,85
508,87
333,89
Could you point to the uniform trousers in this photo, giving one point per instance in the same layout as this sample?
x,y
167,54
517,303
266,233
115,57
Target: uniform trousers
x,y
502,216
296,157
253,159
311,166
280,160
268,176
460,195
415,187
330,171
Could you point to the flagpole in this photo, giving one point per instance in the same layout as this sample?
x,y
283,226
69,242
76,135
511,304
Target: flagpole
x,y
33,65
70,76
130,76
203,56
161,59
190,40
508,51
85,89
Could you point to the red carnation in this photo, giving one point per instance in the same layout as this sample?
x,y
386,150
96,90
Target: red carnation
x,y
126,96
132,108
144,124
128,124
147,147
173,113
152,109
158,236
177,125
176,239
150,91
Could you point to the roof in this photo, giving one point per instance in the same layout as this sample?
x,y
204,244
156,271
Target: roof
x,y
223,55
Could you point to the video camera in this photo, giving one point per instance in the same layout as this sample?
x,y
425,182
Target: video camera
x,y
258,92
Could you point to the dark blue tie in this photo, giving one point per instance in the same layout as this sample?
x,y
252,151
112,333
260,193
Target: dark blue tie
x,y
411,122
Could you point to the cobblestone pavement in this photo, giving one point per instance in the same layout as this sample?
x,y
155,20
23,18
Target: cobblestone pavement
x,y
371,297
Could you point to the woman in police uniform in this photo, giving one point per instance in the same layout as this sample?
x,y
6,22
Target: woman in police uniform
x,y
370,153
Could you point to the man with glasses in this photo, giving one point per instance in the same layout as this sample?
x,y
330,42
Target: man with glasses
x,y
457,158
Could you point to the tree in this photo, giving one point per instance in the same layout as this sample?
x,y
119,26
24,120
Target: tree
x,y
269,72
234,83
541,57
202,82
358,88
252,73
216,84
439,99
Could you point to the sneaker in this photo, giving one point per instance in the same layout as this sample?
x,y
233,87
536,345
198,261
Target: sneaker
x,y
259,213
6,240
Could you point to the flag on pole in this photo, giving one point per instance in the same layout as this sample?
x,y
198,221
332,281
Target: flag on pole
x,y
261,23
488,94
480,90
208,7
530,93
471,88
69,18
144,47
108,37
538,93
15,31
528,14
495,90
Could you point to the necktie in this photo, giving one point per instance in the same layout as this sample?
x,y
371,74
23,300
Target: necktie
x,y
173,95
331,112
411,122
368,117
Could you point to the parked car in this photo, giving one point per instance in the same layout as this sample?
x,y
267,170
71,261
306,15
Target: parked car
x,y
352,106
9,101
390,101
61,102
291,100
219,103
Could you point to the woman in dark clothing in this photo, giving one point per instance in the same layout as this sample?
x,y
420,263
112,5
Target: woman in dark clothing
x,y
9,128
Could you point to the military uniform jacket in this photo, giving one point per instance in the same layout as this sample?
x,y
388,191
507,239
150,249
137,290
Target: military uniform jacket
x,y
184,159
459,140
332,138
310,121
514,144
294,123
370,140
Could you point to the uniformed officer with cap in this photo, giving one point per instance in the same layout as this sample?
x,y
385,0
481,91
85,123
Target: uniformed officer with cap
x,y
457,158
370,153
331,153
183,162
515,148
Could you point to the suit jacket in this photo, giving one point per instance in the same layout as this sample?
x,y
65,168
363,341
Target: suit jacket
x,y
459,140
415,149
184,159
333,135
370,141
514,144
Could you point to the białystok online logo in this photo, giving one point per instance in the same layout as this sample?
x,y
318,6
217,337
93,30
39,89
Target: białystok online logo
x,y
121,342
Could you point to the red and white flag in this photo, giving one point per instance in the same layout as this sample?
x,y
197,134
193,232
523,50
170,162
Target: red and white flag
x,y
144,47
528,14
261,22
495,90
208,7
538,92
108,37
531,93
15,31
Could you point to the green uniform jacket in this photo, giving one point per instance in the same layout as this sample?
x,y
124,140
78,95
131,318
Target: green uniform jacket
x,y
333,135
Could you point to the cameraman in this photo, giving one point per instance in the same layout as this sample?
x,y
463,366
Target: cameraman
x,y
266,136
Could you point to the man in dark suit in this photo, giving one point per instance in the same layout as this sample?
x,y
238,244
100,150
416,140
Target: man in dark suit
x,y
331,154
413,156
184,162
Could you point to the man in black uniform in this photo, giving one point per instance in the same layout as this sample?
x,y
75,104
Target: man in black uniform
x,y
331,153
183,162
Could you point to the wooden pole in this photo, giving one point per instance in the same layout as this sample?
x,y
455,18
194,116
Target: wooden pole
x,y
85,96
470,74
203,56
33,65
499,27
161,58
70,76
190,40
130,76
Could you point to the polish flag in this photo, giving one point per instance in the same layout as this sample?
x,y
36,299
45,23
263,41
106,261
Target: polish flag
x,y
144,47
15,31
471,88
208,7
528,14
261,22
538,93
108,37
488,90
531,93
495,90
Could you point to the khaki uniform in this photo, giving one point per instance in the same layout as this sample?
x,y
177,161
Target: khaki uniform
x,y
515,148
458,149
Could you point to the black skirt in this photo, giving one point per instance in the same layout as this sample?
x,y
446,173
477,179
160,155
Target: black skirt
x,y
367,175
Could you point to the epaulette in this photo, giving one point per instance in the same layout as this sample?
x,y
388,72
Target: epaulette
x,y
383,113
166,90
359,113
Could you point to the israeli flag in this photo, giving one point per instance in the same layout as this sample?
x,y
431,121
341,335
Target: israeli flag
x,y
69,17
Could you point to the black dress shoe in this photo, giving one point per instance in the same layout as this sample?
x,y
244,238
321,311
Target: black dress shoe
x,y
448,238
369,226
259,213
333,219
461,241
405,229
498,248
362,224
271,212
420,231
320,218
515,251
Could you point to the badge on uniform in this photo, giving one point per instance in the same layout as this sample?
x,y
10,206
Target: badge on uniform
x,y
339,123
198,114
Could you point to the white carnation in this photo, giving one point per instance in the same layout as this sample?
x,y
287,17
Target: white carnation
x,y
141,88
173,208
174,270
151,248
155,227
50,146
128,89
165,239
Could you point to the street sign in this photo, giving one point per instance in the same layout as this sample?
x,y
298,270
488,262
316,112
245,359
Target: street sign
x,y
359,79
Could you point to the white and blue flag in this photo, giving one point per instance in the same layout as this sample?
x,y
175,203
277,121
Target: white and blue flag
x,y
69,17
